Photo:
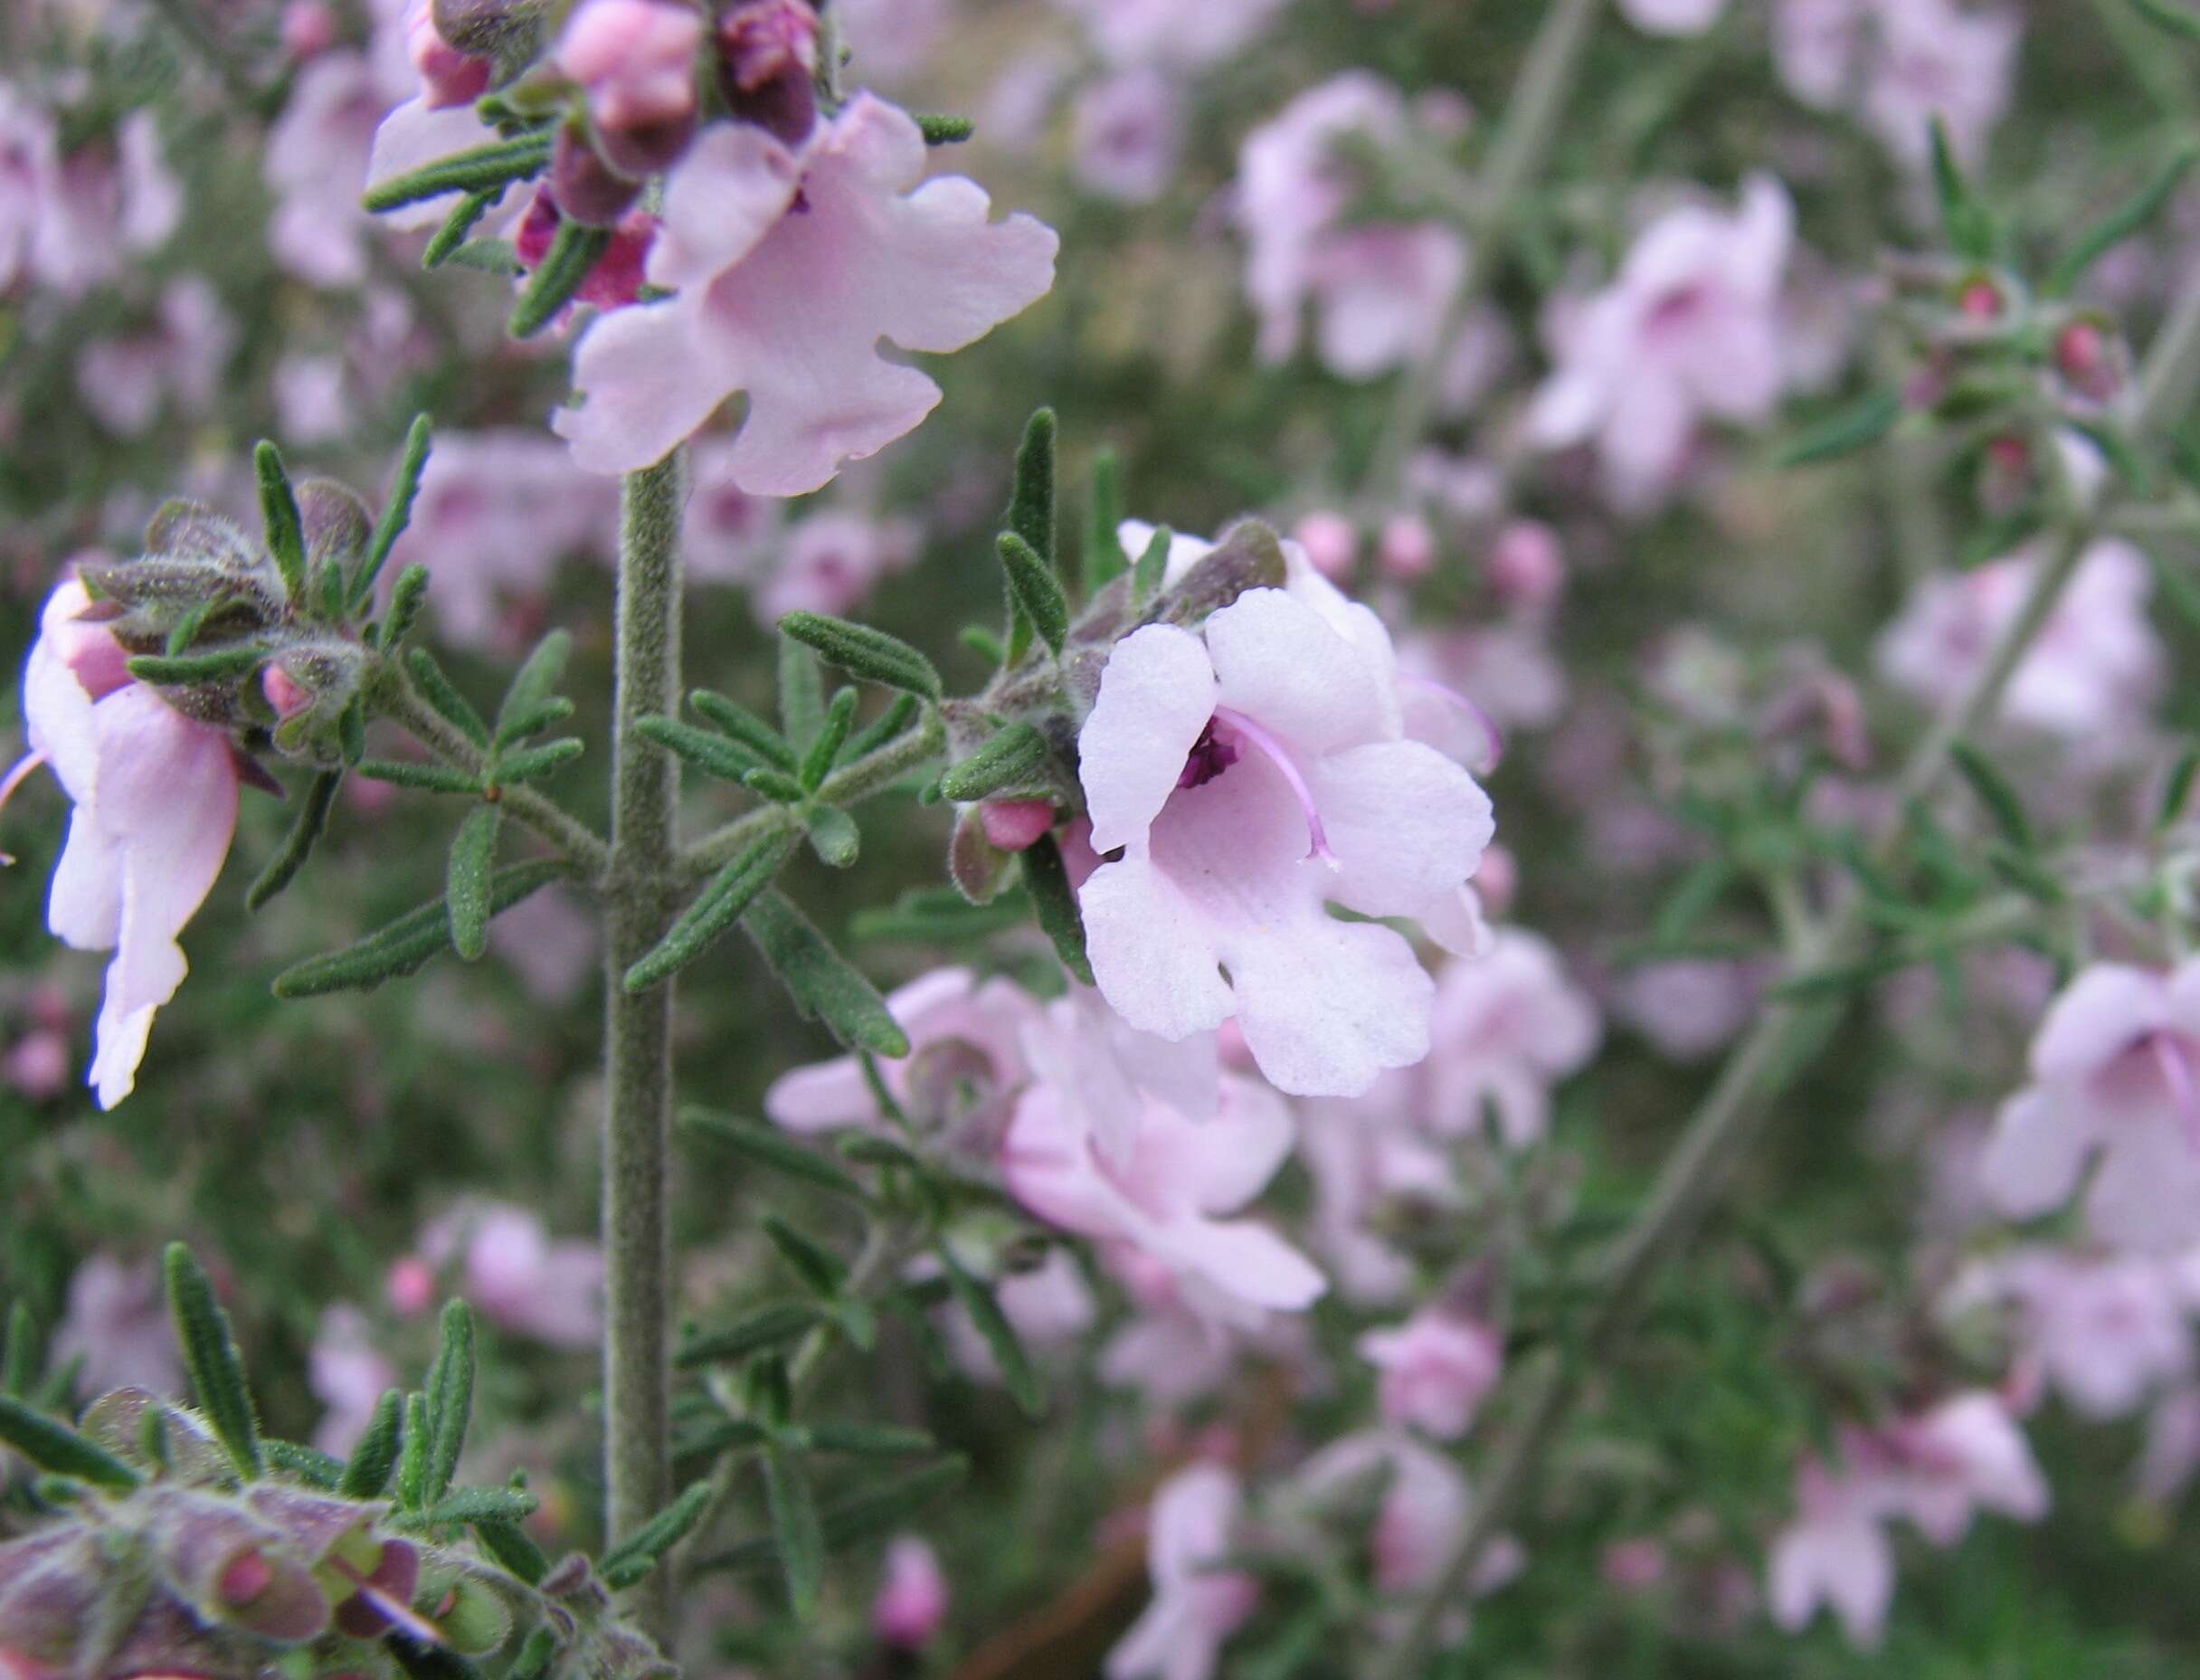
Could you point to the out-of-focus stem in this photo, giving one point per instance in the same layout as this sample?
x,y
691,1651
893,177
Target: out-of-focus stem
x,y
1775,1050
637,900
1530,125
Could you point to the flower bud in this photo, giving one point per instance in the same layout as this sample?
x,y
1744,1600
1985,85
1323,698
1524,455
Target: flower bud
x,y
1526,567
1407,550
448,76
582,186
1016,824
2086,357
619,274
1330,541
637,59
308,27
912,1600
767,65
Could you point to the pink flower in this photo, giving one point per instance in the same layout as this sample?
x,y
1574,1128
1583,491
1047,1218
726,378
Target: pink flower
x,y
791,265
1835,1553
318,154
1196,1607
1913,60
1436,1368
1049,1305
1382,289
2106,1333
1687,1007
912,1601
1156,31
29,162
1250,772
520,1279
2114,1071
1371,1162
156,798
1965,1454
964,1066
830,562
348,1375
1426,1503
728,534
1688,331
1128,136
2091,676
74,222
1672,17
116,1320
1144,1173
1506,1027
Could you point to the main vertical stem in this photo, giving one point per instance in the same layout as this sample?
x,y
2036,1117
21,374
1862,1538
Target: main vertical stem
x,y
637,889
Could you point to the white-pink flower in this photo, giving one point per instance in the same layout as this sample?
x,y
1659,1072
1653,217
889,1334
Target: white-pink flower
x,y
2115,1073
1425,1506
155,799
636,58
1128,135
790,266
1903,63
1195,1606
1157,32
1835,1553
1382,289
2091,676
115,1321
912,1600
1154,1179
517,1275
1435,1368
1689,331
2105,1332
830,562
1251,773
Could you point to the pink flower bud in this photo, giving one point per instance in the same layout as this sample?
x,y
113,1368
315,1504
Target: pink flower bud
x,y
637,59
1632,1565
1016,824
1435,1367
411,1286
912,1600
284,692
1981,299
308,27
1526,567
582,186
1407,548
2083,357
617,278
38,1066
1330,542
767,56
247,1576
448,77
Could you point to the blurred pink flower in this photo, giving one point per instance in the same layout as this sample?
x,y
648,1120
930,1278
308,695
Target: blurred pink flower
x,y
1835,1553
116,1320
1049,1305
912,1600
72,222
155,807
1436,1370
790,266
1905,63
1506,1027
830,562
123,382
348,1375
2114,1071
1687,332
551,942
636,59
511,1271
2105,1332
1156,31
1370,1157
1382,289
1424,1508
1195,1606
2092,674
1687,1007
1251,773
728,535
1128,135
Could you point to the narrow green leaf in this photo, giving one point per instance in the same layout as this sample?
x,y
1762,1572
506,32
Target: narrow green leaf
x,y
531,763
457,225
483,1504
1857,427
489,256
1006,1347
59,1450
411,941
189,627
1152,568
1969,225
714,910
2121,223
802,691
1035,588
422,778
313,807
216,665
1031,504
2178,19
210,1354
833,835
481,169
306,1464
825,986
766,1328
451,1400
1013,759
823,1270
574,250
795,1522
513,1547
535,682
1104,560
939,130
2176,790
440,692
892,722
867,1440
862,651
773,785
635,1556
533,721
286,535
412,1460
928,916
751,732
1056,906
768,1146
20,1360
396,513
466,886
982,642
712,754
367,1472
832,735
407,597
1994,793
543,1645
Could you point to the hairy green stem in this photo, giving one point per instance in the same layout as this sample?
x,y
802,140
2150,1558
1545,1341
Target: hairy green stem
x,y
639,897
1516,157
545,816
1778,1048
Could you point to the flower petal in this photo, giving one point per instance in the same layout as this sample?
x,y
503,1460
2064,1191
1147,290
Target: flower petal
x,y
1157,693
